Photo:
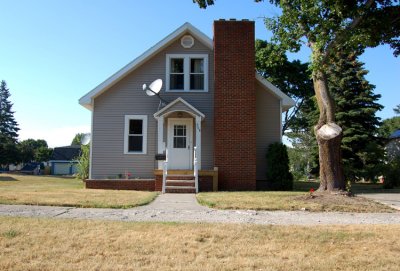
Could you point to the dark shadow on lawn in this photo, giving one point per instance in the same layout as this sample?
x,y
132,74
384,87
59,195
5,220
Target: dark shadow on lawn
x,y
373,188
297,186
356,188
7,179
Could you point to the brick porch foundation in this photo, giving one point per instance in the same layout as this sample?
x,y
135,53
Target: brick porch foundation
x,y
140,185
207,182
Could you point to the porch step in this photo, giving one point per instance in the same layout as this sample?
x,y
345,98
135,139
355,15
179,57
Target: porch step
x,y
180,177
179,189
189,183
180,183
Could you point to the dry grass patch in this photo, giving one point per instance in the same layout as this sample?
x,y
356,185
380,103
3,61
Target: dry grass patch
x,y
290,201
45,244
59,191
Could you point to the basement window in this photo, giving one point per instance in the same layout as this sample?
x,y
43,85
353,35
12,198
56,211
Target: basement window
x,y
135,135
187,73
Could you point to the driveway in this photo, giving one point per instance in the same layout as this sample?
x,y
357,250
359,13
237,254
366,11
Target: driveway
x,y
391,199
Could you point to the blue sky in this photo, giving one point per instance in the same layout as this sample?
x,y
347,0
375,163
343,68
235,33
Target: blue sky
x,y
53,52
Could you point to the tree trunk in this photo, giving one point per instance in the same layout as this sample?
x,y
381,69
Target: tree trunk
x,y
329,137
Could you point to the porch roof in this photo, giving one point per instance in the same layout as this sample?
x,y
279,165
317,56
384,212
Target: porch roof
x,y
179,104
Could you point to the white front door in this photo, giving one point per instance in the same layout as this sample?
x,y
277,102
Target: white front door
x,y
180,145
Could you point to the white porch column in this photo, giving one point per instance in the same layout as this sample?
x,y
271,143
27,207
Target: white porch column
x,y
198,140
160,139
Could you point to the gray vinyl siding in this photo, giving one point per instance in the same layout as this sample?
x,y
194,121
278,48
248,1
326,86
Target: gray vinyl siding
x,y
268,126
127,98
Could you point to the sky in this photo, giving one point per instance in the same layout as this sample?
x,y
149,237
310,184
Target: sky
x,y
53,52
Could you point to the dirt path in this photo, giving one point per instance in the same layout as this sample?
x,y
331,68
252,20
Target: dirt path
x,y
184,208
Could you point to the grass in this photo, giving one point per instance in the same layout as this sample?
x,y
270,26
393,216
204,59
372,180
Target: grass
x,y
45,244
299,199
356,188
10,233
59,191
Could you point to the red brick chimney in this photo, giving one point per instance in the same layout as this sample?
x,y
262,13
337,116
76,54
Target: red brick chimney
x,y
235,104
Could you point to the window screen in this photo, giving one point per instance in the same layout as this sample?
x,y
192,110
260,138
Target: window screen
x,y
135,141
177,75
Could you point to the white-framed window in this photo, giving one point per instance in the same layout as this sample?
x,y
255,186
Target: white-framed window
x,y
135,134
187,72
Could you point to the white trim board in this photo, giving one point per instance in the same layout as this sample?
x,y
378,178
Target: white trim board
x,y
186,71
144,133
179,99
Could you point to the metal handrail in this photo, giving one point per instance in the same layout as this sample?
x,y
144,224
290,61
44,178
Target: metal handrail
x,y
196,170
165,171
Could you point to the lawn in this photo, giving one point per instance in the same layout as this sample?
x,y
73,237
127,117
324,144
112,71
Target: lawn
x,y
55,244
299,199
356,188
59,191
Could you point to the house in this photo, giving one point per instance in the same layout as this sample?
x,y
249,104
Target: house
x,y
393,145
220,115
63,161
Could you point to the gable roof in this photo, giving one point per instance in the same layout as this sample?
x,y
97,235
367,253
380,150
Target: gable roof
x,y
176,101
86,100
66,153
395,134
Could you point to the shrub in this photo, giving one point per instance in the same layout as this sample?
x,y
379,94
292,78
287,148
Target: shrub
x,y
83,163
392,173
278,174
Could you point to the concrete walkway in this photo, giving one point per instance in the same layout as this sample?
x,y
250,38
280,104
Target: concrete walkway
x,y
390,199
175,202
184,208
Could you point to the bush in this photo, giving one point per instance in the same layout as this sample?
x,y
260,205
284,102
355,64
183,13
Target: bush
x,y
278,174
392,173
83,163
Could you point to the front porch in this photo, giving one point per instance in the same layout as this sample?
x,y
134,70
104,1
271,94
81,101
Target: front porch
x,y
179,144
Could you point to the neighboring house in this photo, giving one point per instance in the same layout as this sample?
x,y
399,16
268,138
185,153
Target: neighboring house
x,y
218,109
393,145
63,161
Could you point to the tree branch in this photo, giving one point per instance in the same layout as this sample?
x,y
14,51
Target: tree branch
x,y
289,117
356,21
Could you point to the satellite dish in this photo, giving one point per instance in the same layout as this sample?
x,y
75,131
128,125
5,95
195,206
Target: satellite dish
x,y
85,139
156,85
154,89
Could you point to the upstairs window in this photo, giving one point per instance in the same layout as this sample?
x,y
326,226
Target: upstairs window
x,y
176,77
196,74
135,136
187,72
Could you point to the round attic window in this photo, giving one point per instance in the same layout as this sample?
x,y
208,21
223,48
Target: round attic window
x,y
187,41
